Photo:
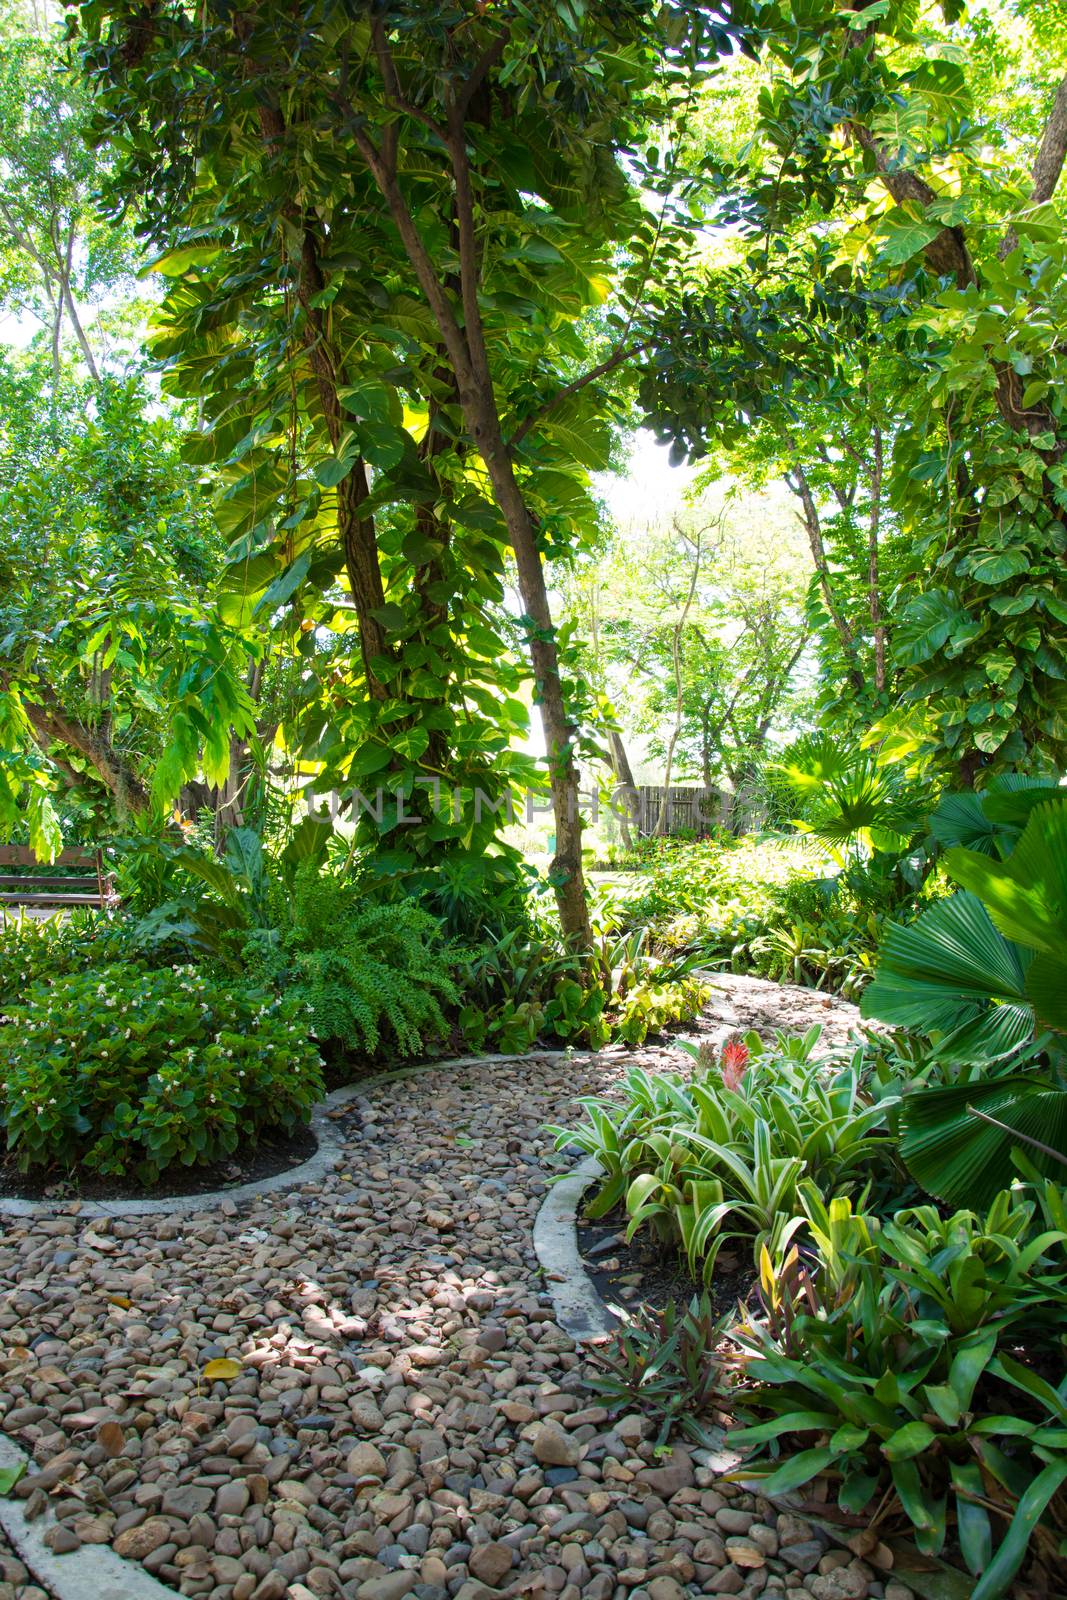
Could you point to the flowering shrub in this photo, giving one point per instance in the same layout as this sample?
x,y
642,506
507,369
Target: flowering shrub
x,y
43,950
121,1069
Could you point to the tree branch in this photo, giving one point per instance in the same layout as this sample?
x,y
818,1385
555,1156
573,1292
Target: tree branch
x,y
802,489
51,724
1048,164
470,270
620,354
947,254
481,70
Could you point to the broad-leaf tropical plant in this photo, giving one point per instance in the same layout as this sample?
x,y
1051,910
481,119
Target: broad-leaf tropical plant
x,y
984,975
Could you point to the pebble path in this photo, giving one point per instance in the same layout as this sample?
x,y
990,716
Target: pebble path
x,y
404,1417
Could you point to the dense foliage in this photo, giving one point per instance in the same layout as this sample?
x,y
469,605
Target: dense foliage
x,y
336,326
909,1354
898,1353
121,1069
370,976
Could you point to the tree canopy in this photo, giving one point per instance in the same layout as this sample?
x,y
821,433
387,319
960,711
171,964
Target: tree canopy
x,y
412,275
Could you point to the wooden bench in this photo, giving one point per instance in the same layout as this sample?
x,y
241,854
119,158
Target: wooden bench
x,y
47,890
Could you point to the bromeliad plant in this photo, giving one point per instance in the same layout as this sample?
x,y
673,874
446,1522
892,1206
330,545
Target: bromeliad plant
x,y
662,1363
722,1156
527,985
890,1348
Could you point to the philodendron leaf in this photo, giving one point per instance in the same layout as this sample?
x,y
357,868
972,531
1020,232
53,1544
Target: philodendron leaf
x,y
903,233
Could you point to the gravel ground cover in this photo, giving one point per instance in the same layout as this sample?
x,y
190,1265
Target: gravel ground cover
x,y
401,1415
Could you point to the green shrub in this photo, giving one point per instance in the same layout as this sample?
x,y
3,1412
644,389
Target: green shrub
x,y
374,977
126,1070
894,1356
42,950
775,907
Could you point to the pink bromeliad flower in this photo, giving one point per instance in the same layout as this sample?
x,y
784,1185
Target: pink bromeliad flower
x,y
732,1063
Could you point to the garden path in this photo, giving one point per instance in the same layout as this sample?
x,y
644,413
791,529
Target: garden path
x,y
403,1416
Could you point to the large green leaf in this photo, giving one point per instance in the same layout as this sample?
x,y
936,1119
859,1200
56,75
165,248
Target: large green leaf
x,y
905,232
1046,986
951,973
994,566
214,873
1027,894
964,1160
961,820
1010,1555
925,626
1011,798
284,586
990,820
1027,900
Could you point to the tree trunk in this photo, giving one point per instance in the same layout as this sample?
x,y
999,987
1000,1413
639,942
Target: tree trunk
x,y
463,337
810,519
79,333
705,744
624,784
356,532
874,597
676,656
560,731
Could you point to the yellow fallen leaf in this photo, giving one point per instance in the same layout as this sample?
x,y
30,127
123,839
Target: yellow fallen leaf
x,y
222,1368
122,1300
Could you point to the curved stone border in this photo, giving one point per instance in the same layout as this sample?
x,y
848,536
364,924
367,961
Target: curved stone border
x,y
584,1315
327,1135
579,1310
94,1572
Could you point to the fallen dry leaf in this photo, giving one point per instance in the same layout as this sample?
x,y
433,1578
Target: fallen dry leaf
x,y
222,1368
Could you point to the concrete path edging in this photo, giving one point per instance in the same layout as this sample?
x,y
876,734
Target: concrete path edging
x,y
579,1310
94,1572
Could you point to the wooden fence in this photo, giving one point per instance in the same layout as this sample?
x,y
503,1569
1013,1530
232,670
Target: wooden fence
x,y
689,810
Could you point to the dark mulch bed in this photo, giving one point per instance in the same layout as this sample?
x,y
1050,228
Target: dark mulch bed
x,y
273,1154
643,1273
